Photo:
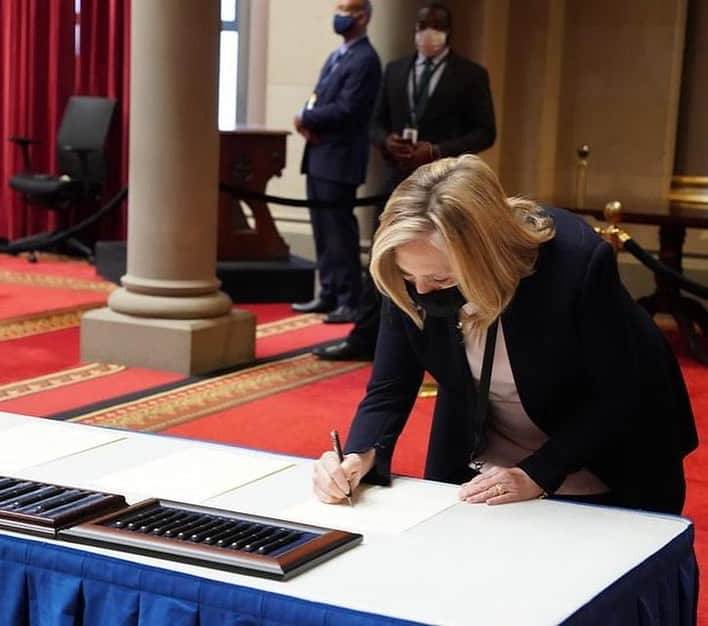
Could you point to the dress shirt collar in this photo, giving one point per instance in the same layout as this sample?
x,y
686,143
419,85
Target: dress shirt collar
x,y
421,59
347,45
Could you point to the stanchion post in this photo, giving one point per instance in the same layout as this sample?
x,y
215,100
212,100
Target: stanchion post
x,y
612,232
581,175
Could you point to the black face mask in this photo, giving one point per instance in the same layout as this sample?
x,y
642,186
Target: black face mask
x,y
439,303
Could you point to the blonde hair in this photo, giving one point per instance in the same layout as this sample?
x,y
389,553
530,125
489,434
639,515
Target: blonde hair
x,y
492,241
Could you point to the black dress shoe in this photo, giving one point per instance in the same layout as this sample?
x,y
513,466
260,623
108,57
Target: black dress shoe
x,y
318,305
343,351
343,314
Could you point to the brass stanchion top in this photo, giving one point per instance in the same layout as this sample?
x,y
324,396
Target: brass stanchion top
x,y
613,212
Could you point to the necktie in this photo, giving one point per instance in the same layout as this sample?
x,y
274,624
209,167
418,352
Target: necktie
x,y
331,64
421,95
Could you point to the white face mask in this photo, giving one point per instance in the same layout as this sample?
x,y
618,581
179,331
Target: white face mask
x,y
430,42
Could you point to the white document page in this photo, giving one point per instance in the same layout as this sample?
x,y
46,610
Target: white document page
x,y
42,441
191,475
378,509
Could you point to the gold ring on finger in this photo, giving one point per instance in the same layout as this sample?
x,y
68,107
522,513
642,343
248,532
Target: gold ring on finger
x,y
499,489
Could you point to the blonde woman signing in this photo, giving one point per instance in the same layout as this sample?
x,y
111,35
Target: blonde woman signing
x,y
586,401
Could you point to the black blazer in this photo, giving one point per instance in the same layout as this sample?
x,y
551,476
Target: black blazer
x,y
459,117
592,370
341,116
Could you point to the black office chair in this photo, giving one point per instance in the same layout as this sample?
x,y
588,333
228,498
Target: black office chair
x,y
81,165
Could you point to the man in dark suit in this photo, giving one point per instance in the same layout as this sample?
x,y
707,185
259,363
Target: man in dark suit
x,y
335,125
432,104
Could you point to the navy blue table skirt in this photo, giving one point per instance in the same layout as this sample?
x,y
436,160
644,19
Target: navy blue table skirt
x,y
46,585
661,591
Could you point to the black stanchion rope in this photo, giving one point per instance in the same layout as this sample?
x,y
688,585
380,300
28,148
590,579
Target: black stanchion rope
x,y
60,235
630,245
57,236
248,194
49,239
664,270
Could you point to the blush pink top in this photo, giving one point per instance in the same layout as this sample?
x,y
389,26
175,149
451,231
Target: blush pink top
x,y
511,434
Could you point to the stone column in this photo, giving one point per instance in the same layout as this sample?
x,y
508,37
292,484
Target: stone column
x,y
170,314
690,179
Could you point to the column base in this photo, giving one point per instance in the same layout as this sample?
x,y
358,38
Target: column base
x,y
185,346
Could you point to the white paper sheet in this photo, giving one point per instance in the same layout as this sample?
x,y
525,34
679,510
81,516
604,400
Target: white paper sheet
x,y
378,509
42,440
191,475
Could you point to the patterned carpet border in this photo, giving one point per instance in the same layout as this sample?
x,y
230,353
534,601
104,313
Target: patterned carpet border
x,y
70,317
44,322
59,282
288,324
171,408
90,371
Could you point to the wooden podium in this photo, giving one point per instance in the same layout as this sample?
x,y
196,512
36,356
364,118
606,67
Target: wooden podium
x,y
249,158
254,262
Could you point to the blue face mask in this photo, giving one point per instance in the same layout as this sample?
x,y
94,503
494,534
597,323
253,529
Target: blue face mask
x,y
342,22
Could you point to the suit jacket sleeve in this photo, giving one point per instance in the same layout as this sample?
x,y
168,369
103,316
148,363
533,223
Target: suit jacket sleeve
x,y
390,395
381,119
609,359
478,117
353,99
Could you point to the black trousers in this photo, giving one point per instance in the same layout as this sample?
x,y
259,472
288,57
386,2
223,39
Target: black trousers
x,y
366,324
336,234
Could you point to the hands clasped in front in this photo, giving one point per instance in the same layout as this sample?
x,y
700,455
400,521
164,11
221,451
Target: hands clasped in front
x,y
332,482
309,135
500,485
406,155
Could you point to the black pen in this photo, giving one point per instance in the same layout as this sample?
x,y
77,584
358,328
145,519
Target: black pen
x,y
334,435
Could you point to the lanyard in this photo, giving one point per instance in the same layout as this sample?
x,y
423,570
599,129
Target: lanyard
x,y
414,95
485,377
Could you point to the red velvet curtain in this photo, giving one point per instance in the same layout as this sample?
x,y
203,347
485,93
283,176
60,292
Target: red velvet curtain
x,y
103,69
36,72
40,67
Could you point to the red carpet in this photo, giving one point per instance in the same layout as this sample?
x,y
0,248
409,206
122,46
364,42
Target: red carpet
x,y
54,357
299,338
52,283
50,395
38,346
696,509
39,354
267,313
22,300
303,429
50,264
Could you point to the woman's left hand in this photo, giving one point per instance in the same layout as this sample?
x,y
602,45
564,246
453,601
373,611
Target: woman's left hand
x,y
500,486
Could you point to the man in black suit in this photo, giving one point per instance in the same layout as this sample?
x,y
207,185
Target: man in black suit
x,y
335,125
432,104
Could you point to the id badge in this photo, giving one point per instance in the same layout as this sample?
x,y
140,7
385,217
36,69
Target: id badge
x,y
410,134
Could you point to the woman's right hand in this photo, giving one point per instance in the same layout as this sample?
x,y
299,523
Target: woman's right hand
x,y
333,481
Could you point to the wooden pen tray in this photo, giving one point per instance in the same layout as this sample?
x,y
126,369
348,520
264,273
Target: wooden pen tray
x,y
44,508
237,542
